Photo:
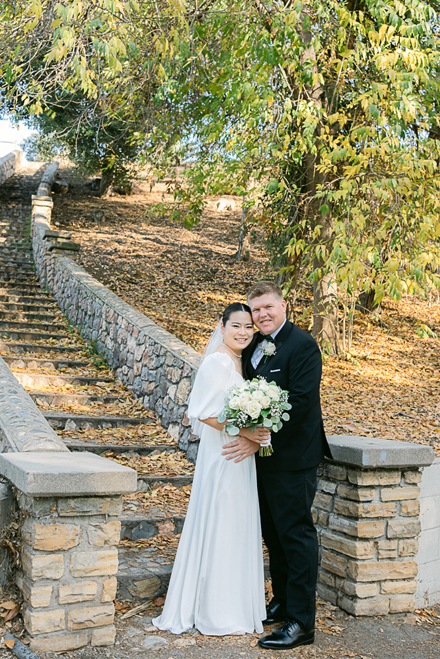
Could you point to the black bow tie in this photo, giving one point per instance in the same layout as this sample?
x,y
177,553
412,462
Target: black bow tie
x,y
268,338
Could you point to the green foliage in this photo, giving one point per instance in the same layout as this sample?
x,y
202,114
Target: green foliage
x,y
322,116
425,332
95,356
44,148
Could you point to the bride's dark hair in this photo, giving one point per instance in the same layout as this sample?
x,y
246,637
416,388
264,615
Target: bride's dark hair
x,y
232,308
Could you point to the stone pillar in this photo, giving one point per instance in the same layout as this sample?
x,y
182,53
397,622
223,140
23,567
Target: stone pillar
x,y
69,557
367,514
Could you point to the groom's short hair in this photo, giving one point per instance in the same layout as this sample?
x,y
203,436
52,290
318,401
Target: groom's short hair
x,y
263,288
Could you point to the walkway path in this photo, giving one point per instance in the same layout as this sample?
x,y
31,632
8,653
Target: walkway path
x,y
88,408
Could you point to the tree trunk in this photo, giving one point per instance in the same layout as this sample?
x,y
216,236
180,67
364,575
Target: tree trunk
x,y
325,313
107,177
365,302
243,251
325,299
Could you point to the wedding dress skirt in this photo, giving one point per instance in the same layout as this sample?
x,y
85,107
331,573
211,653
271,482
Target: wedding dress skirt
x,y
217,583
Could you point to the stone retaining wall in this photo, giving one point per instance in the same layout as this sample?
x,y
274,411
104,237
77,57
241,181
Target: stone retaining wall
x,y
70,560
367,514
157,366
70,504
22,426
10,163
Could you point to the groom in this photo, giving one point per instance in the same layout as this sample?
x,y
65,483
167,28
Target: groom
x,y
287,478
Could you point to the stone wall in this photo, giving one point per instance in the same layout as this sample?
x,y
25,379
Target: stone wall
x,y
367,514
428,557
69,504
22,426
70,560
154,364
10,163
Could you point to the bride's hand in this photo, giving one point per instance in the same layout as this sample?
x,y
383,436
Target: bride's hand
x,y
259,435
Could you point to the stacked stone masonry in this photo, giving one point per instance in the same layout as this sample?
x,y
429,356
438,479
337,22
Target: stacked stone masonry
x,y
69,565
368,523
10,164
158,367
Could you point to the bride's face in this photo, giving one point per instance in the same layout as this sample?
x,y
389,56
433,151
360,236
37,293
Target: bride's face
x,y
238,331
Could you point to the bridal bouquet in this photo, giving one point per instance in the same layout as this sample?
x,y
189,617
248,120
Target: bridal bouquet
x,y
255,403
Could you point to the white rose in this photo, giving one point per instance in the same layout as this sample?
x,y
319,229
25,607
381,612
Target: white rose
x,y
273,393
270,349
253,409
257,394
245,396
243,404
265,402
264,386
234,403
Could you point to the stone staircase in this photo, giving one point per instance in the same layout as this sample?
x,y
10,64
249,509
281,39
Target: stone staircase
x,y
90,410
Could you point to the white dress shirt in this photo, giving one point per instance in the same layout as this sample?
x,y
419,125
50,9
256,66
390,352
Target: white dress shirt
x,y
258,354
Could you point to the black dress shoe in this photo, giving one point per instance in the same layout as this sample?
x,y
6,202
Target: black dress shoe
x,y
275,612
288,636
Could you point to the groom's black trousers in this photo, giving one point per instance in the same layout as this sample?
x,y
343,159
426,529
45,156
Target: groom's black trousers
x,y
289,533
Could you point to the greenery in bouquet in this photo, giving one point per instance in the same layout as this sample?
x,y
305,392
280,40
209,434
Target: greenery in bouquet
x,y
255,403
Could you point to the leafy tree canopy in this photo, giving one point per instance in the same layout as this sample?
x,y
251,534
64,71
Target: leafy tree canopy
x,y
322,115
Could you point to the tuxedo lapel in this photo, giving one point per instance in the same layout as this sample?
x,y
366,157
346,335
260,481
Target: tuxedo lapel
x,y
279,340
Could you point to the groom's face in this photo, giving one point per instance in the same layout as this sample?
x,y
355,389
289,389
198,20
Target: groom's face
x,y
268,312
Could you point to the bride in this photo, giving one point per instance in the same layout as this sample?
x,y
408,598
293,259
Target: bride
x,y
217,583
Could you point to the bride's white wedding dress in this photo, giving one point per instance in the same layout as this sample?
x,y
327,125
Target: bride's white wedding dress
x,y
217,583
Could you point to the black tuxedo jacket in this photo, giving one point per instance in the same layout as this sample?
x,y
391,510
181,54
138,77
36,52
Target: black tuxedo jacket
x,y
296,366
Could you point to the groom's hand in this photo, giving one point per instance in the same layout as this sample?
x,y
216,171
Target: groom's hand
x,y
240,449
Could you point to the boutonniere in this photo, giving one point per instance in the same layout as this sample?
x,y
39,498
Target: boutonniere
x,y
269,350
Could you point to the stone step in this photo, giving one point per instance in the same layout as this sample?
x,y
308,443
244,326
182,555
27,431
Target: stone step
x,y
22,291
142,574
34,362
71,399
59,421
23,245
18,335
136,526
23,284
9,253
12,273
36,380
16,262
146,483
18,348
22,324
9,307
26,299
18,271
120,449
14,316
10,269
